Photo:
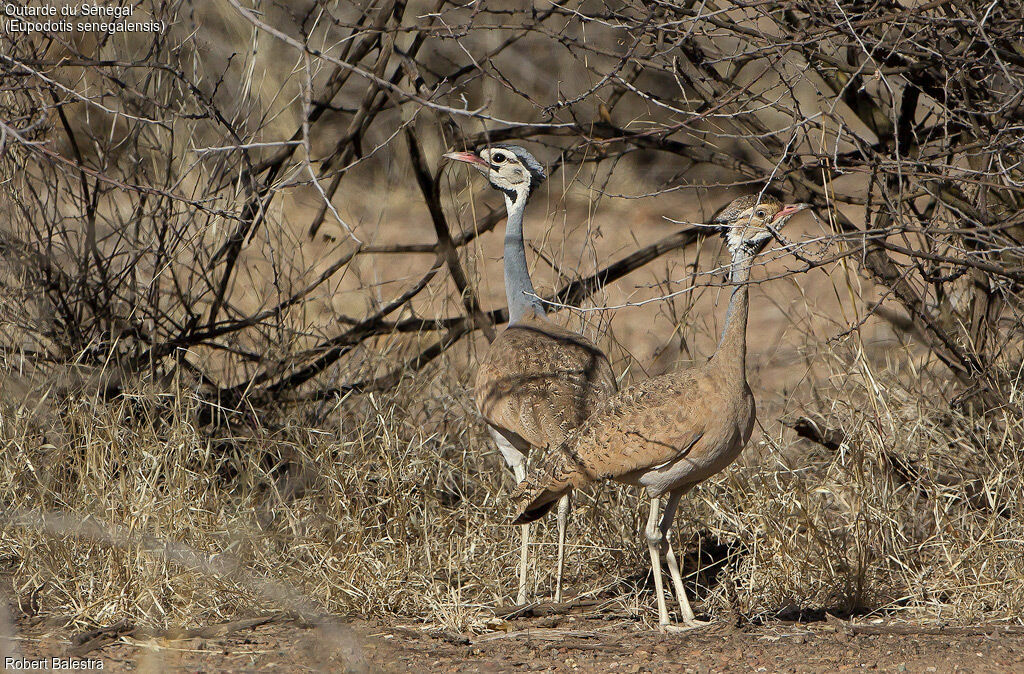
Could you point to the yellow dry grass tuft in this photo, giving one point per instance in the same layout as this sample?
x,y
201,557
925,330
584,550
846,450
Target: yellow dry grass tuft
x,y
392,513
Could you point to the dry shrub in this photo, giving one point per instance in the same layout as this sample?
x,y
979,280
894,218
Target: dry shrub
x,y
394,512
917,510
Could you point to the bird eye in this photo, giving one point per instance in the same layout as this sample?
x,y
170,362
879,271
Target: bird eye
x,y
761,213
497,157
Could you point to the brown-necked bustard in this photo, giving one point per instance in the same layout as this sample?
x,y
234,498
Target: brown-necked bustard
x,y
538,380
671,432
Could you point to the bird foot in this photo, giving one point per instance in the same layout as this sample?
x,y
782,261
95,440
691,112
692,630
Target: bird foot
x,y
685,627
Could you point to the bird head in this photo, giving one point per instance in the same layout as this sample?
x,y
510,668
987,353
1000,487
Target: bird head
x,y
747,222
508,168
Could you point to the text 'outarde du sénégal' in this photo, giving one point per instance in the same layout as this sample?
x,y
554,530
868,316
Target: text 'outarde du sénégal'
x,y
50,18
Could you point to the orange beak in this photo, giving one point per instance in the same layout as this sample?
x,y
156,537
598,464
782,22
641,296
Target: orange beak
x,y
789,210
468,157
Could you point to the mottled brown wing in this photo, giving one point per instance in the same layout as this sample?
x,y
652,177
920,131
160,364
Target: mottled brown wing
x,y
540,380
642,427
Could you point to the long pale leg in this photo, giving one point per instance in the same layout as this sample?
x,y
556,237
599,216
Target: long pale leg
x,y
653,534
516,460
563,516
519,470
670,555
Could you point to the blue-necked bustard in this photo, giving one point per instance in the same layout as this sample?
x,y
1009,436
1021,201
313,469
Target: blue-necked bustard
x,y
671,432
538,380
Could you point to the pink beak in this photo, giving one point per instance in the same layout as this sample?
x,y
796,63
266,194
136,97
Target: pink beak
x,y
789,210
467,157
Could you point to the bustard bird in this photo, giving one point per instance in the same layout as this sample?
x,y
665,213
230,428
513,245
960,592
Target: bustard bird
x,y
538,380
671,432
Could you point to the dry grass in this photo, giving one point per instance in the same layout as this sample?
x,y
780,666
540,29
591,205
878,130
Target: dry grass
x,y
392,511
388,505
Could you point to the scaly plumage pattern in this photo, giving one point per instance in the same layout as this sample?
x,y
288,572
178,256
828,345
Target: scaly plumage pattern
x,y
643,433
539,381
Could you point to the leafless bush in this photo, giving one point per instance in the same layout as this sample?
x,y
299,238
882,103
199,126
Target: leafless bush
x,y
204,210
146,179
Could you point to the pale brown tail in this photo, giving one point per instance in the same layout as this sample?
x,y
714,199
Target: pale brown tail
x,y
531,502
542,488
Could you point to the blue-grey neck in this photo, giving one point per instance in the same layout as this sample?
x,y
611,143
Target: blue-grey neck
x,y
522,298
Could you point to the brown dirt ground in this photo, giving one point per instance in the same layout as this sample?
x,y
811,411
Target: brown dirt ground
x,y
555,644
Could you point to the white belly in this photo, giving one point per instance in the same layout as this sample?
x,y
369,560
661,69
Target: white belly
x,y
686,470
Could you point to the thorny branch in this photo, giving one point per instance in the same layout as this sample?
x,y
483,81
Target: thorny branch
x,y
157,204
